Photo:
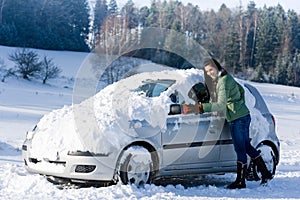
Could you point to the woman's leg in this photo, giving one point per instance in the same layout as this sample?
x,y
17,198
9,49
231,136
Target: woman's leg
x,y
238,139
250,150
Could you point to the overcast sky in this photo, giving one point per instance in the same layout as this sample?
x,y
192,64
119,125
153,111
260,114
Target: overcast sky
x,y
215,4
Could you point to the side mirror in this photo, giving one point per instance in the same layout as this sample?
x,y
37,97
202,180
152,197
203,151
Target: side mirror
x,y
175,109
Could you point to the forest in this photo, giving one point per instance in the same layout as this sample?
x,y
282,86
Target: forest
x,y
258,44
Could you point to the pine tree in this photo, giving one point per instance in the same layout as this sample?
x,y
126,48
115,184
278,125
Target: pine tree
x,y
293,28
269,38
280,75
112,8
130,13
78,24
100,14
152,19
232,52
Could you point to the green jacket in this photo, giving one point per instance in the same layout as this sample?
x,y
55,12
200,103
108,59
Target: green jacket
x,y
231,97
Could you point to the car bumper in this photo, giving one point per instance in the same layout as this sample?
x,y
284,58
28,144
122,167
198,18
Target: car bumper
x,y
76,167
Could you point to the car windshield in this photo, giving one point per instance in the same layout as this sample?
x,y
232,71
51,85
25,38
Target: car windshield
x,y
153,88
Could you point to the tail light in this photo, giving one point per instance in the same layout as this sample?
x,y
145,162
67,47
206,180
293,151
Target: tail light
x,y
273,119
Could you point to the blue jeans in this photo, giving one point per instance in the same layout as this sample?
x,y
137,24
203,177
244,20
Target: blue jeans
x,y
239,130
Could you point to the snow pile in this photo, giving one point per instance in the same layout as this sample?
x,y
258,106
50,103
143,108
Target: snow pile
x,y
101,122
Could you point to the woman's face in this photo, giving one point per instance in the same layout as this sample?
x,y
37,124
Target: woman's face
x,y
211,71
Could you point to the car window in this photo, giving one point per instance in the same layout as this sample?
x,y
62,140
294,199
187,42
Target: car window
x,y
155,88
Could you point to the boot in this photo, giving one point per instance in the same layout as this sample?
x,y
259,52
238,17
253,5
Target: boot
x,y
251,172
240,177
261,166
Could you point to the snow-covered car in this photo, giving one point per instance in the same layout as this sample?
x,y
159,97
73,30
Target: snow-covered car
x,y
133,131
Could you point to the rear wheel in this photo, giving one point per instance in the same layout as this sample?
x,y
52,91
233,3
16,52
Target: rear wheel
x,y
136,166
268,155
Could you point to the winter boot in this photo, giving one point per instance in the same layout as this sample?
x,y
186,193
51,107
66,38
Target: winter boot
x,y
240,177
261,166
251,172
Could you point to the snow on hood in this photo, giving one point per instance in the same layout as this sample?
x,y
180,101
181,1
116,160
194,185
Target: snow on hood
x,y
101,122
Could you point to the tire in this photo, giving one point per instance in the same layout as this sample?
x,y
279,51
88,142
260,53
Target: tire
x,y
269,157
136,166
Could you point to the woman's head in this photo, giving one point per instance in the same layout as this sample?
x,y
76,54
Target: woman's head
x,y
212,67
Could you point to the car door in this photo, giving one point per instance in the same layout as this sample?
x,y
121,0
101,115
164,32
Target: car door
x,y
191,142
227,154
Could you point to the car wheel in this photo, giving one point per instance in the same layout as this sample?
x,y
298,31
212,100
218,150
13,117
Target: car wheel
x,y
268,155
136,166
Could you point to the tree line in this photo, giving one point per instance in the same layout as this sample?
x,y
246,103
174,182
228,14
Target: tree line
x,y
261,44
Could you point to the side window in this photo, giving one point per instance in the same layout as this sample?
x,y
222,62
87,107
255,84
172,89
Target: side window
x,y
199,93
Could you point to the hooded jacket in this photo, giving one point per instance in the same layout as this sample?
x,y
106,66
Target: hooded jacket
x,y
230,98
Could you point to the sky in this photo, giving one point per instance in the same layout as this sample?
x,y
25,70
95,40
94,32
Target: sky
x,y
215,4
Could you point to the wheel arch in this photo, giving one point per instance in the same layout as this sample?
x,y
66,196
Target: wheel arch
x,y
273,146
148,146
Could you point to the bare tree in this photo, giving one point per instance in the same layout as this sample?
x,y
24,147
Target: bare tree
x,y
49,70
27,62
115,40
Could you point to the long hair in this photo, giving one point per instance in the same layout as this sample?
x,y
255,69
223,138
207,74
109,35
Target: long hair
x,y
210,83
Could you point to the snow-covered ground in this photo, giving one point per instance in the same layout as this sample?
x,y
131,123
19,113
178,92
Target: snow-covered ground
x,y
23,103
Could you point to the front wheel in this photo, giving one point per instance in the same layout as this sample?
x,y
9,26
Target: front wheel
x,y
136,166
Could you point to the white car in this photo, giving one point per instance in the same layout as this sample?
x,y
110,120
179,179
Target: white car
x,y
133,131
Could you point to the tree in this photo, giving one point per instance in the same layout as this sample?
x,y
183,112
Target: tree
x,y
27,62
2,4
251,34
100,14
232,52
130,13
55,24
293,29
78,24
48,69
269,38
152,19
280,75
260,74
143,15
112,8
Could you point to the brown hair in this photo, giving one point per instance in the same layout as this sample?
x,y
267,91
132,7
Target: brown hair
x,y
212,62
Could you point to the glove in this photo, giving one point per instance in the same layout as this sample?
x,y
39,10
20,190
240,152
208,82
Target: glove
x,y
192,109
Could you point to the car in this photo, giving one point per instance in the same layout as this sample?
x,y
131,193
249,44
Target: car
x,y
133,131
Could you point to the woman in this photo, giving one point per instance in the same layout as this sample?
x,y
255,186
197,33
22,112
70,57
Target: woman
x,y
229,97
